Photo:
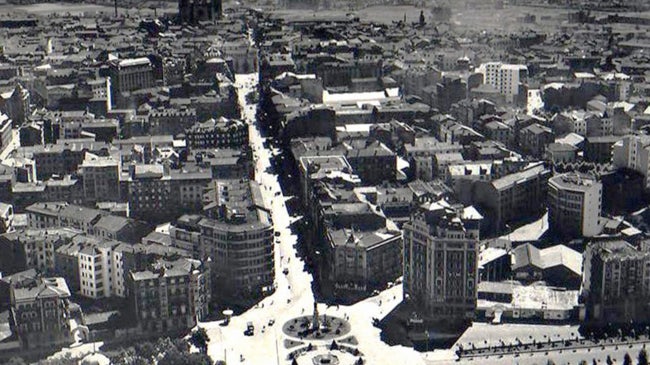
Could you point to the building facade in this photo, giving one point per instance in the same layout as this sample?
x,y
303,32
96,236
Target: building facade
x,y
616,282
170,294
217,133
194,11
506,78
101,175
131,74
237,237
512,197
441,264
633,152
364,260
575,204
40,315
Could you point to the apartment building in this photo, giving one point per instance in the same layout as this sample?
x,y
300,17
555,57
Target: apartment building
x,y
171,121
236,235
441,261
131,74
364,260
506,78
156,193
101,178
170,294
61,158
40,313
616,281
512,197
534,139
94,222
217,133
633,152
34,248
575,204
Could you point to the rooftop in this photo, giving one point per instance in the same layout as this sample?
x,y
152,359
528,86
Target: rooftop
x,y
574,181
367,240
558,255
164,268
41,288
530,172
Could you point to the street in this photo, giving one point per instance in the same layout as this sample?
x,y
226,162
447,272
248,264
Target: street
x,y
293,296
293,292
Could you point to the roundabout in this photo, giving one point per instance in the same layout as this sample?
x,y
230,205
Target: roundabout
x,y
316,327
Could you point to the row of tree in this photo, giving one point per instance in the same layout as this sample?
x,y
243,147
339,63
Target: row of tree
x,y
642,359
164,351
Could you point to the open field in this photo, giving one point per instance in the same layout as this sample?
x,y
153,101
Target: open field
x,y
45,9
509,18
379,14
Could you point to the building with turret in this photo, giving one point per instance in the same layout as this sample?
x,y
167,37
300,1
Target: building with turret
x,y
441,261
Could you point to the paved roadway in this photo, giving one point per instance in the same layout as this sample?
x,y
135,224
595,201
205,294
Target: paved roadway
x,y
293,296
293,292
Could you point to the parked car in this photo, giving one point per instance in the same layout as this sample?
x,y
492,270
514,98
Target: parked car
x,y
250,329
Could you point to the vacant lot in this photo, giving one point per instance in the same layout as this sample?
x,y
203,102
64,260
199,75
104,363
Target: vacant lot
x,y
379,14
45,9
484,18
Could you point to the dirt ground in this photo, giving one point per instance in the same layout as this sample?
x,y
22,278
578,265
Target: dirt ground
x,y
45,9
484,18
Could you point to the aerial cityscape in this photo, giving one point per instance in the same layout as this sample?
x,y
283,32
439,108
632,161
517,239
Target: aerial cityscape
x,y
324,182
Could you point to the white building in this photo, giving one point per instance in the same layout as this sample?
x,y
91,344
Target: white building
x,y
504,77
633,152
100,178
101,269
575,202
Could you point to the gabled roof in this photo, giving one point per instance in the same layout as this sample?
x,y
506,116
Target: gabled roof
x,y
558,255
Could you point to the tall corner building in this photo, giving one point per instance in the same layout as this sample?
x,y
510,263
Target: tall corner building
x,y
574,204
616,281
633,152
441,261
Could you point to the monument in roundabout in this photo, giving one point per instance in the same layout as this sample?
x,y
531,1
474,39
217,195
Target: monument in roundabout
x,y
320,339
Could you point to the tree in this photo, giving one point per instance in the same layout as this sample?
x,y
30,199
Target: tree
x,y
627,360
643,357
200,339
334,345
174,357
65,360
16,361
181,345
145,350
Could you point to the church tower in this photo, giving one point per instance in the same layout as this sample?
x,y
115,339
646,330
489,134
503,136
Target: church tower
x,y
194,11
